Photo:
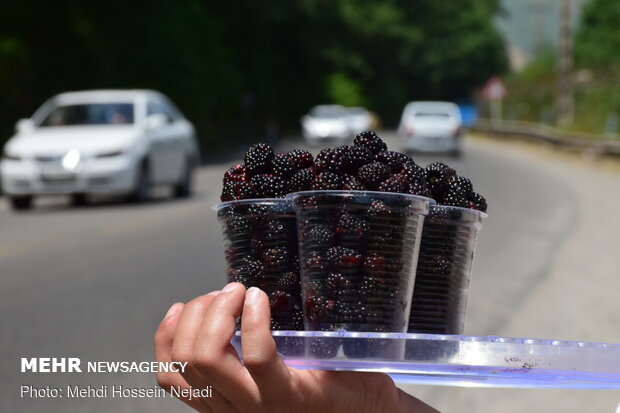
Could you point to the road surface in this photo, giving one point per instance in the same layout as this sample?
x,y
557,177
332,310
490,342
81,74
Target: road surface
x,y
94,282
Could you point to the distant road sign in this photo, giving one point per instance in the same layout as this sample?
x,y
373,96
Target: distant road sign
x,y
494,89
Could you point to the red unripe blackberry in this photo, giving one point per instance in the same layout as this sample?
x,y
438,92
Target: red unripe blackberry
x,y
258,159
372,174
370,140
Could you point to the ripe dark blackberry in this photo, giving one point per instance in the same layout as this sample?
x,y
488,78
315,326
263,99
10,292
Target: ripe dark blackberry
x,y
276,258
351,183
228,193
315,262
338,155
244,190
395,160
343,258
301,159
477,201
236,173
372,174
276,230
289,281
460,185
370,140
324,347
251,269
379,209
268,186
413,171
454,197
419,188
301,181
336,283
283,166
351,226
320,235
395,183
258,159
323,160
352,159
437,177
327,181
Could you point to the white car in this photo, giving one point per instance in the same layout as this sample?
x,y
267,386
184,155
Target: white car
x,y
432,127
100,142
360,120
326,122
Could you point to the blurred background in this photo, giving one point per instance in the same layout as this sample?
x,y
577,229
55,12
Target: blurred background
x,y
537,87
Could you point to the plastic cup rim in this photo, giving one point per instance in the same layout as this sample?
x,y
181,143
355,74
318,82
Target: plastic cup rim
x,y
220,205
431,201
483,215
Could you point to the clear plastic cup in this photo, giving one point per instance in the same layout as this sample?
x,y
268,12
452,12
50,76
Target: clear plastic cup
x,y
260,237
358,253
444,270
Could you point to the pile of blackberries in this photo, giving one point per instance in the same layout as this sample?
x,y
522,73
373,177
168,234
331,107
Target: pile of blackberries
x,y
352,246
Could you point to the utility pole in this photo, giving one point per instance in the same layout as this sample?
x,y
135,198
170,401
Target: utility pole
x,y
565,106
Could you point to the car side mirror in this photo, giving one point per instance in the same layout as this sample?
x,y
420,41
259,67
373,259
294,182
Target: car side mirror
x,y
156,120
24,126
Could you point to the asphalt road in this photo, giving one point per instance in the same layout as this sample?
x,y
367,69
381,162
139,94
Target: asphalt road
x,y
93,282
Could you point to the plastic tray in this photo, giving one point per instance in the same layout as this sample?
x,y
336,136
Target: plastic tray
x,y
465,361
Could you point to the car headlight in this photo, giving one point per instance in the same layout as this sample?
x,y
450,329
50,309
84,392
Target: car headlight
x,y
110,154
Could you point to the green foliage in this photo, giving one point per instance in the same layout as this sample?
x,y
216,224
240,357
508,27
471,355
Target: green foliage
x,y
598,40
234,67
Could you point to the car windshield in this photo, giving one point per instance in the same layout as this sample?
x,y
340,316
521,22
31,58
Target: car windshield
x,y
327,112
90,114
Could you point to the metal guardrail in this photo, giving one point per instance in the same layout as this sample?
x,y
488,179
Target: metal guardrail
x,y
585,142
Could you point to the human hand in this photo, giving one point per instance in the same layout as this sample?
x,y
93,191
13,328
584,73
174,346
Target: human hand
x,y
199,333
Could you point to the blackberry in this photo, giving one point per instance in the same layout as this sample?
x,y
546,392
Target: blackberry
x,y
251,270
315,262
320,235
372,174
327,181
269,186
289,281
276,258
259,159
301,181
339,153
350,183
283,167
323,160
235,173
477,201
437,177
395,183
336,284
281,301
343,258
349,225
413,171
317,307
395,160
244,190
324,347
370,140
275,229
300,158
454,197
379,209
228,193
419,188
352,159
460,185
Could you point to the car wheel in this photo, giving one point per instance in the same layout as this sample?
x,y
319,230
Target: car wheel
x,y
79,199
21,203
142,190
183,189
